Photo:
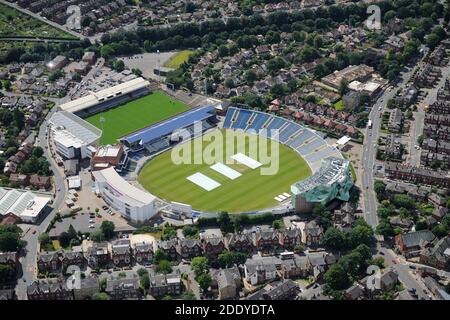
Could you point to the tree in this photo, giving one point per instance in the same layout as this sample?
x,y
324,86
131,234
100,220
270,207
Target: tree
x,y
343,87
336,277
277,224
362,233
385,229
102,283
229,258
164,266
64,239
72,232
107,228
100,296
378,261
97,236
334,239
225,222
229,83
7,273
7,85
142,271
200,265
44,239
38,152
188,296
190,232
158,256
204,280
145,281
10,238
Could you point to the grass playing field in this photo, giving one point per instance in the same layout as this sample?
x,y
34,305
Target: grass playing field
x,y
135,115
251,191
178,59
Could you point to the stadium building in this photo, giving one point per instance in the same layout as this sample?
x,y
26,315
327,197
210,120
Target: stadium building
x,y
72,135
332,181
25,205
157,137
108,98
134,204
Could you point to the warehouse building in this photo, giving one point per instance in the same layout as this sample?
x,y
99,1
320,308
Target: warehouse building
x,y
25,205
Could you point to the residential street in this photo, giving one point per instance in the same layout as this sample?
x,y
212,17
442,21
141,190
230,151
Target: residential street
x,y
369,150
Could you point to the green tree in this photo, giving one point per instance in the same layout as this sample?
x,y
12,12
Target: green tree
x,y
97,236
164,266
225,223
107,228
145,281
334,239
100,296
336,277
200,265
7,273
385,229
44,239
343,87
158,256
204,280
10,238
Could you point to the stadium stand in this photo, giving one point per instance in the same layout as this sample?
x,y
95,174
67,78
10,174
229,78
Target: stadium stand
x,y
157,137
306,142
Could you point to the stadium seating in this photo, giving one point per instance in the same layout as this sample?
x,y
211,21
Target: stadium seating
x,y
307,143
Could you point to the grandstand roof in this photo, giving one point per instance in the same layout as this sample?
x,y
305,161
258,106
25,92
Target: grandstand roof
x,y
168,126
103,95
74,130
127,192
332,170
24,204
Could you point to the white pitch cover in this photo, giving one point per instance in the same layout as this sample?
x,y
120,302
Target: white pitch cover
x,y
249,162
226,171
203,181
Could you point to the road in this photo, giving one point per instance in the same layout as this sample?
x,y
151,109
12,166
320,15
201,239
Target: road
x,y
31,236
368,159
405,273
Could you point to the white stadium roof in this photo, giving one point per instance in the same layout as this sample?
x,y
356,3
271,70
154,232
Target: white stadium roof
x,y
103,95
74,130
127,192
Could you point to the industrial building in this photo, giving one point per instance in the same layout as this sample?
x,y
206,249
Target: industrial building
x,y
25,205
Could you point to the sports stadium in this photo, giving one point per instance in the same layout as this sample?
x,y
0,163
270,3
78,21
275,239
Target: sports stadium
x,y
309,169
303,178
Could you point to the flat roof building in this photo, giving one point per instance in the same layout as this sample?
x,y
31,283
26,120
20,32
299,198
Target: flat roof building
x,y
24,204
72,135
133,203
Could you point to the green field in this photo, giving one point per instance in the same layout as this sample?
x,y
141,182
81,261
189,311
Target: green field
x,y
251,191
178,59
14,23
135,115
